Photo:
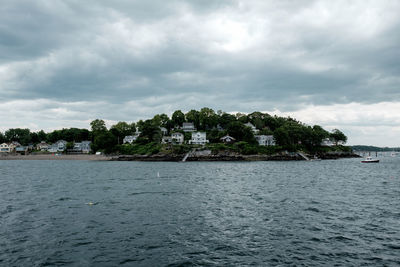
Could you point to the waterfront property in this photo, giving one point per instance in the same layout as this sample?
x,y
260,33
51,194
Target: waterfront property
x,y
164,130
58,146
198,138
82,147
177,138
252,127
5,148
22,150
188,127
166,140
327,142
265,140
42,146
129,139
227,139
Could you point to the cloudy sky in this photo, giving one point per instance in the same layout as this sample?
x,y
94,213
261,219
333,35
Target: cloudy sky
x,y
332,63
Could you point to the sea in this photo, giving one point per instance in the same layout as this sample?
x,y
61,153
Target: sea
x,y
287,213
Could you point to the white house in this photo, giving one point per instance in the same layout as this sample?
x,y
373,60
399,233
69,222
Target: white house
x,y
4,148
227,139
253,128
42,146
265,140
129,139
83,147
58,146
188,127
166,140
327,142
164,130
198,138
177,138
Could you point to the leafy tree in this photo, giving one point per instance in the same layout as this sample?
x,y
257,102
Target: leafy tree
x,y
22,136
241,132
208,118
338,136
98,126
104,140
193,116
2,138
122,129
318,134
42,135
151,131
242,117
139,125
69,135
214,135
281,136
34,138
225,119
178,118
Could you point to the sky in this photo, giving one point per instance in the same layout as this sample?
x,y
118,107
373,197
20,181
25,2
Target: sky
x,y
331,63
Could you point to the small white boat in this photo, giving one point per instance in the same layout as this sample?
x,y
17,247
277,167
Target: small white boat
x,y
370,160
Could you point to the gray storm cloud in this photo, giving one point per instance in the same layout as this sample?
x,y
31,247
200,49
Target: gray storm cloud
x,y
168,55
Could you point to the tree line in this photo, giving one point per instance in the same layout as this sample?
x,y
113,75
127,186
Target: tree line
x,y
288,132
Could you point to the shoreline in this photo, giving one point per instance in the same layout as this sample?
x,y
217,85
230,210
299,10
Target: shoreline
x,y
229,157
89,157
176,157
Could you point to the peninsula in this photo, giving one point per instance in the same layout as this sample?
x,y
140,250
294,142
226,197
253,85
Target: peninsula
x,y
194,135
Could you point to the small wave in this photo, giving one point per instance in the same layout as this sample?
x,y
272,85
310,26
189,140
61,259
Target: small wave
x,y
79,244
129,261
312,209
392,246
181,264
152,193
64,198
340,238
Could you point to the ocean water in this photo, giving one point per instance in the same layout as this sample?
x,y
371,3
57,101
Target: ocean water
x,y
86,213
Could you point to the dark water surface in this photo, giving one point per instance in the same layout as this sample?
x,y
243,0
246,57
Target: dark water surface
x,y
325,213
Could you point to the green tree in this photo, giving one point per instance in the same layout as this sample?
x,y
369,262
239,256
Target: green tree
x,y
122,129
208,118
318,134
338,136
42,135
178,118
240,132
225,119
2,138
98,126
20,135
104,140
151,132
34,138
194,117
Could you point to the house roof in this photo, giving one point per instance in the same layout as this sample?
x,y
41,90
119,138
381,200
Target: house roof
x,y
227,137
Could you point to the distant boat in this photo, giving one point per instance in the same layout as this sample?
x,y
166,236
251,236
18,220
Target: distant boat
x,y
370,160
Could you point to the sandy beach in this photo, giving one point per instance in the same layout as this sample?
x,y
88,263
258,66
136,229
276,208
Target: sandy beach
x,y
56,157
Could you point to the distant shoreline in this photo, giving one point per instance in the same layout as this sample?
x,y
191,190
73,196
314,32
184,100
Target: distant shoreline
x,y
174,158
90,157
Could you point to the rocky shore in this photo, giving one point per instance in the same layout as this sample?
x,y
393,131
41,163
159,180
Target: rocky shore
x,y
204,155
208,156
